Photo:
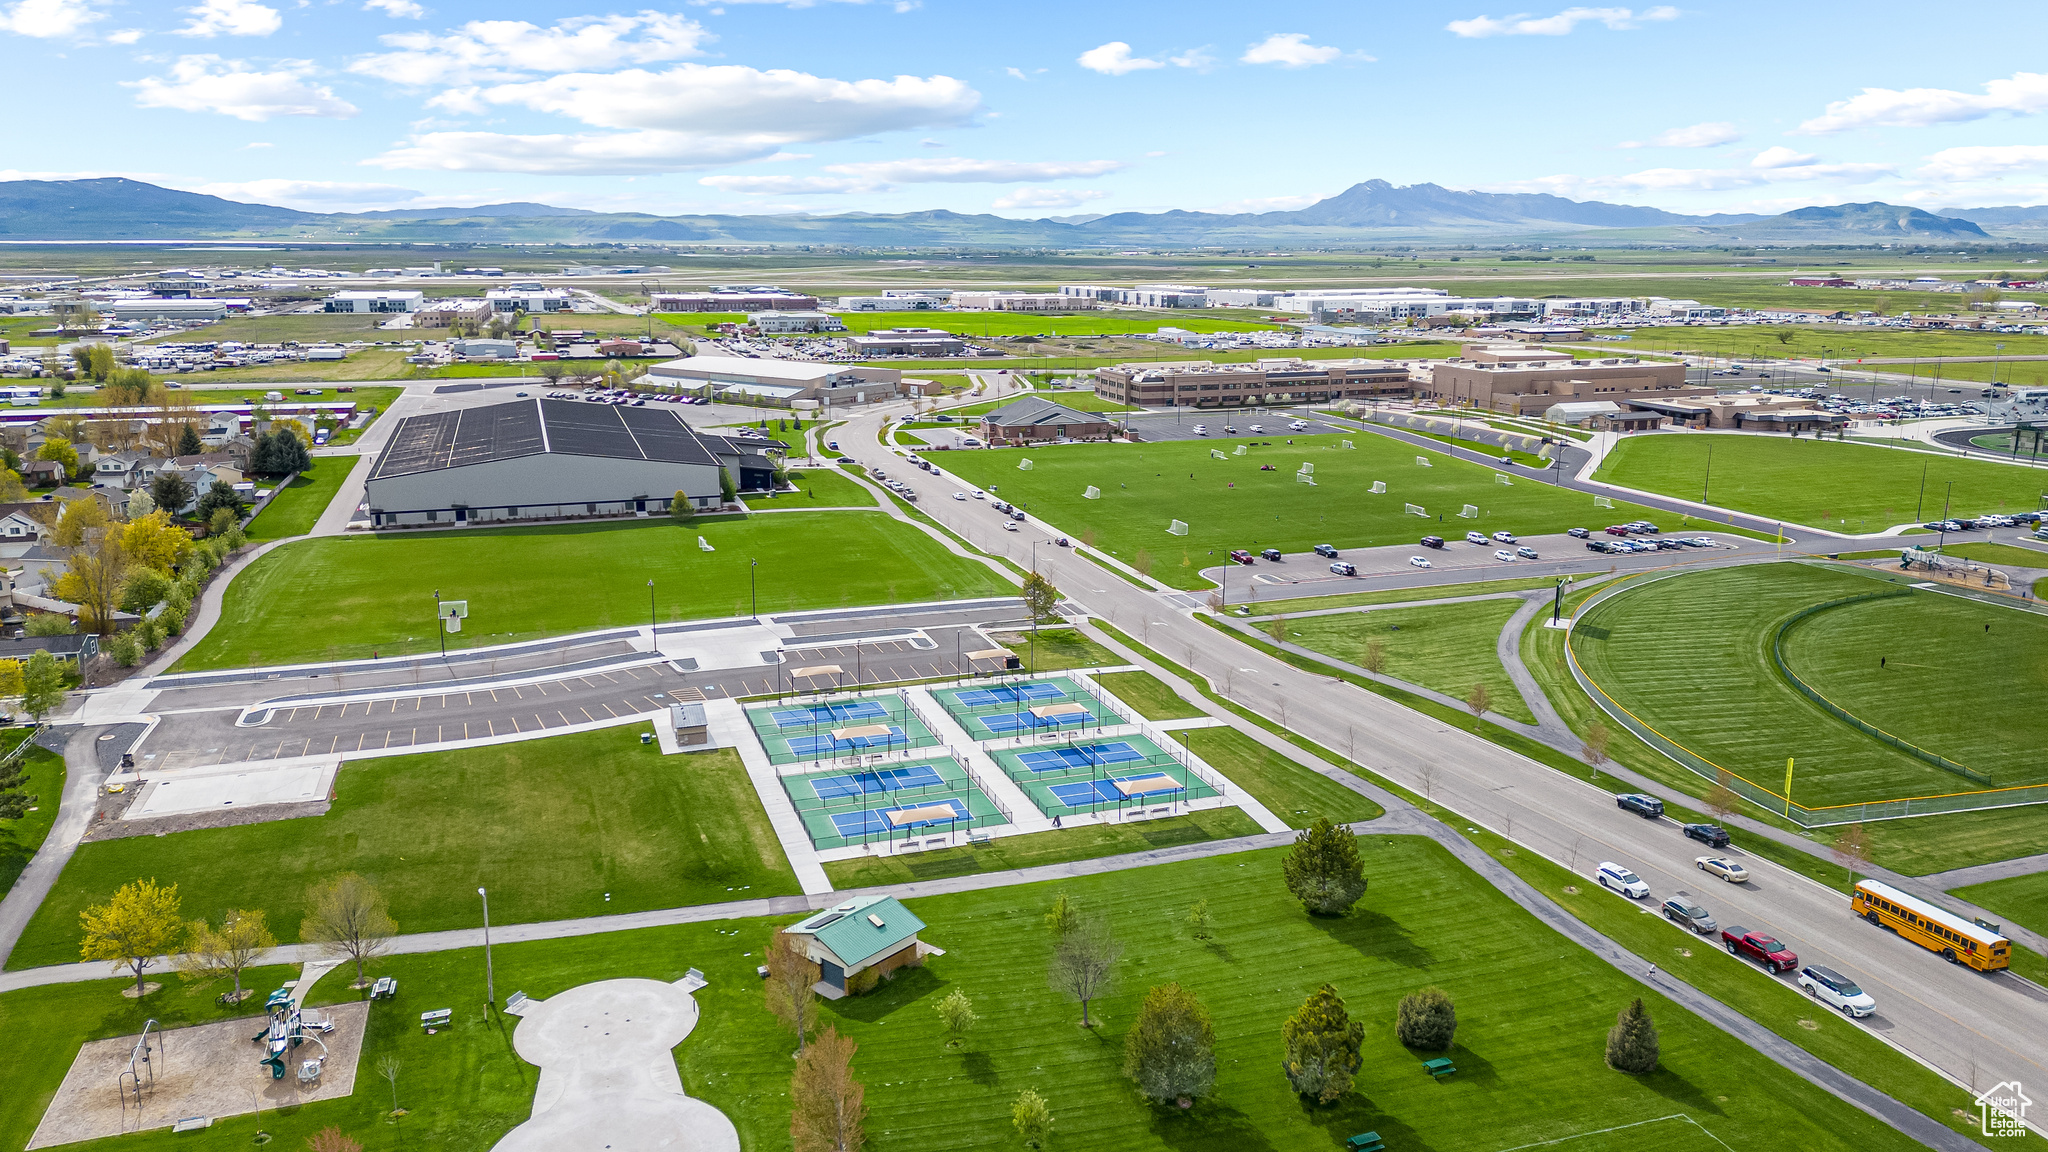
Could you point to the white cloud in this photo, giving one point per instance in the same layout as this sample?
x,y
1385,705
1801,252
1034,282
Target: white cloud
x,y
1115,59
314,195
47,19
229,87
125,36
690,116
2022,93
259,144
787,185
1196,58
951,170
1782,157
1693,136
396,9
1289,50
1562,24
1047,198
483,51
1976,163
212,18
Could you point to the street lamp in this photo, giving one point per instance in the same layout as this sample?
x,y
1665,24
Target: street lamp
x,y
440,629
653,617
490,981
752,591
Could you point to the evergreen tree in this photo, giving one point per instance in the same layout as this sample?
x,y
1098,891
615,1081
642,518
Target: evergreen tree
x,y
1323,871
171,492
14,803
1322,1047
1427,1020
263,457
1632,1042
726,489
1171,1049
220,495
188,441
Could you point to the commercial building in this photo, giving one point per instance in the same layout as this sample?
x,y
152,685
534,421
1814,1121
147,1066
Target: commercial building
x,y
1142,295
1383,304
381,300
528,298
1531,381
485,348
782,323
907,342
448,312
1582,306
780,383
750,300
1036,418
539,459
167,309
888,302
1242,297
1020,302
1201,384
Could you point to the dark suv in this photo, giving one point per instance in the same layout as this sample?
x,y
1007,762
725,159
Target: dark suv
x,y
1326,551
1712,835
1432,541
1648,807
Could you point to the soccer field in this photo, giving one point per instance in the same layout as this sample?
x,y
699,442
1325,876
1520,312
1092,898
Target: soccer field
x,y
344,598
1690,656
1230,503
1821,483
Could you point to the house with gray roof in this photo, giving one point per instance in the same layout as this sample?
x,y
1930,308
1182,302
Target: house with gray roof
x,y
858,941
1035,418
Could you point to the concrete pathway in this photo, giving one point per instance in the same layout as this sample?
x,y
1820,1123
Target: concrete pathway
x,y
1985,873
1509,649
87,760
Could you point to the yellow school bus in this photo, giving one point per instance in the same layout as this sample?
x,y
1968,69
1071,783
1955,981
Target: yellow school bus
x,y
1958,940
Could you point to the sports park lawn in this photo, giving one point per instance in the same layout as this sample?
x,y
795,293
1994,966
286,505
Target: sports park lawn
x,y
294,511
1447,647
1293,792
2023,899
1400,595
1689,655
341,598
822,487
1055,649
1821,482
1229,503
19,839
2000,555
1148,696
549,826
1071,398
1533,1012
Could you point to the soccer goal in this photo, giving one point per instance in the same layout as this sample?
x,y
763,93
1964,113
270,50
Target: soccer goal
x,y
1378,487
1602,502
1347,445
705,545
1093,493
1305,478
1469,512
1423,462
1023,465
1307,469
1414,510
1240,450
1503,478
1177,528
1218,454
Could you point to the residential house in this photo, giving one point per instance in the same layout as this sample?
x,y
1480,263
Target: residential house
x,y
42,473
1036,418
127,471
855,942
73,648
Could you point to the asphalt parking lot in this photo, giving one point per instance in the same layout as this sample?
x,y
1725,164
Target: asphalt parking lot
x,y
1162,427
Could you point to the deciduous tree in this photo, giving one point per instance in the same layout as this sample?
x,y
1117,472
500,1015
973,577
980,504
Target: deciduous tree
x,y
1477,701
827,1105
331,1139
42,685
220,496
62,452
1062,917
791,987
346,917
1852,851
1594,747
956,1011
1171,1049
1084,962
1322,1047
1375,659
1427,1020
49,624
1041,598
1323,871
1632,1042
241,941
139,924
1031,1116
154,542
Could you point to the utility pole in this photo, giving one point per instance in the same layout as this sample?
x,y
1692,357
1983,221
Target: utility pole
x,y
752,590
440,629
1709,480
490,981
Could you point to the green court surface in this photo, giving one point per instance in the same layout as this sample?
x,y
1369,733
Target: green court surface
x,y
1821,483
374,594
1230,503
1690,656
1045,707
1118,775
908,801
838,727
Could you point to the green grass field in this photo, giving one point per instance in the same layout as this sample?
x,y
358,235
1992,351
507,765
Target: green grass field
x,y
1533,1012
818,488
1289,790
1447,647
1398,595
2001,555
1821,483
1842,346
294,511
1148,696
550,826
19,839
1102,322
1230,504
306,328
1689,656
340,598
1055,649
2022,899
1023,359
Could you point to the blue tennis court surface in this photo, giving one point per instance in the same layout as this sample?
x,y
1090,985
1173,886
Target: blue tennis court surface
x,y
1004,723
875,821
1083,756
828,714
825,745
1085,793
1009,694
868,783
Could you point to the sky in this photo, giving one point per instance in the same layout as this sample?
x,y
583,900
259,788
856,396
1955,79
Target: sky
x,y
1052,108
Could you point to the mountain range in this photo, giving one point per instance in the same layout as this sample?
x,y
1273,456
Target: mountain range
x,y
1372,212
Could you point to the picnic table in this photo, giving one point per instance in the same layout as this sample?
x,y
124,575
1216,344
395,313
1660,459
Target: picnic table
x,y
1439,1067
438,1018
1366,1142
384,989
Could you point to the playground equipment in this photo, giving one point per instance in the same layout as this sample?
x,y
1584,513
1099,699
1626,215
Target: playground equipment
x,y
289,1028
140,1075
1953,567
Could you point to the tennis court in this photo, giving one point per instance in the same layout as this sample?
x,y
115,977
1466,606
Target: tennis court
x,y
1079,756
829,730
1009,694
1101,775
901,802
1116,790
1028,708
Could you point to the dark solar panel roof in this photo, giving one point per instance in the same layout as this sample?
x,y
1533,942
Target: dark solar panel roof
x,y
528,427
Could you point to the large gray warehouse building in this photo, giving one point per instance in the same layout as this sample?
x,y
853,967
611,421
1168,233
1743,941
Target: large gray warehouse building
x,y
551,459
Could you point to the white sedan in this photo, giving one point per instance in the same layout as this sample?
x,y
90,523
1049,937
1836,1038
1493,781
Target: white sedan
x,y
959,495
1504,554
1420,562
1727,870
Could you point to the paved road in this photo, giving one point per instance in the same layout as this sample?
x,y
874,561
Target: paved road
x,y
1974,1028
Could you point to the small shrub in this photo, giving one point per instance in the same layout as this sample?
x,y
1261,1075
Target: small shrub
x,y
862,982
1427,1020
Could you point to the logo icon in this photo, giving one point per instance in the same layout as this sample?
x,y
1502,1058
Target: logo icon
x,y
2004,1109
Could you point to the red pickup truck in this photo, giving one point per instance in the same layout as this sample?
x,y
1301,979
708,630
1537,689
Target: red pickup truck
x,y
1759,947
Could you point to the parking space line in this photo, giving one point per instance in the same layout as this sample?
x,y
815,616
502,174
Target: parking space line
x,y
515,723
336,744
541,688
607,708
565,718
538,721
360,737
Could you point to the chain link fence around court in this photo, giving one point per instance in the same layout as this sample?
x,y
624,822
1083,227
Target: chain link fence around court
x,y
902,804
1765,797
1122,775
1031,708
848,729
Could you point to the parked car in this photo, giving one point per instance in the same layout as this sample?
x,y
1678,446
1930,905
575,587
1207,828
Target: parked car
x,y
1504,537
1270,554
1009,526
1648,807
1577,533
959,495
1598,546
1343,569
1200,430
1504,554
1760,947
1297,426
1689,914
1616,878
1432,541
1615,530
1712,835
1728,870
1016,514
1326,551
1240,556
1706,542
1475,538
1257,429
1836,991
1527,553
1419,562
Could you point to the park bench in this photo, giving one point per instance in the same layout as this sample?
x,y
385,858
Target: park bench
x,y
1366,1142
978,838
515,1002
438,1018
384,989
1439,1067
192,1124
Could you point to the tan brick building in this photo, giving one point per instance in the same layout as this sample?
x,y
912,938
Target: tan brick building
x,y
1201,384
1527,382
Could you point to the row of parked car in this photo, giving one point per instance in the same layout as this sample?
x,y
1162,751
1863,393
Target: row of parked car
x,y
1253,429
1971,523
1823,984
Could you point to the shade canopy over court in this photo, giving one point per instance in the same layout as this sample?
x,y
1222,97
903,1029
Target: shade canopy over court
x,y
839,809
860,727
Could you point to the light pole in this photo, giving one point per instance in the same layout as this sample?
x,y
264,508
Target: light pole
x,y
653,617
1708,480
752,591
490,982
440,629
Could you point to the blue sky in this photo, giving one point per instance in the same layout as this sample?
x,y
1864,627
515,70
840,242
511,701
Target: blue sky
x,y
1048,108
